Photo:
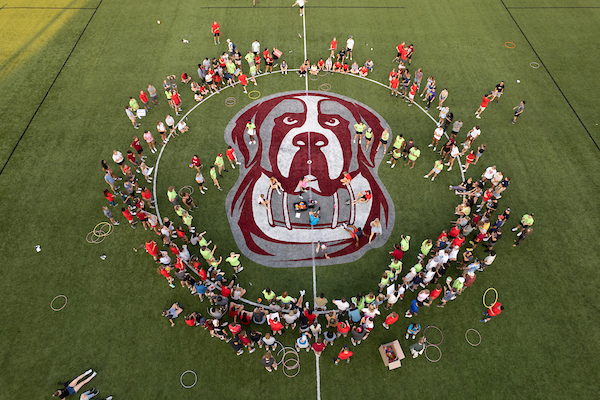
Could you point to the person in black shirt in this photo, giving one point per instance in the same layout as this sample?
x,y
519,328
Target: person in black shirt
x,y
498,90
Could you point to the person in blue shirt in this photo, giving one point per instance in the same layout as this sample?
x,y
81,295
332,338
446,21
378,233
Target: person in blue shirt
x,y
413,329
414,309
314,217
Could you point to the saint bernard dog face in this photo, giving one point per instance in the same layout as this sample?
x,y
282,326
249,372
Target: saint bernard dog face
x,y
305,135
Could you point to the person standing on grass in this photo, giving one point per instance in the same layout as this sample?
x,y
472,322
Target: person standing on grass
x,y
431,93
484,102
390,319
153,94
269,362
414,309
213,175
144,99
526,222
448,295
416,349
394,83
109,215
345,354
171,124
220,164
479,153
493,311
128,216
519,109
111,182
413,155
349,47
215,31
498,90
443,96
131,117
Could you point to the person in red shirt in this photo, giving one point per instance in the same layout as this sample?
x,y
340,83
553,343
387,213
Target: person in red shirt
x,y
403,54
337,67
138,147
196,163
411,94
128,216
176,101
393,74
109,196
363,72
234,327
147,196
470,159
454,231
163,271
181,234
185,78
434,294
276,326
346,68
133,159
394,83
345,354
333,47
144,99
215,31
318,346
390,320
458,241
230,153
151,248
266,53
397,253
493,311
257,63
269,63
343,328
243,79
486,99
321,64
399,50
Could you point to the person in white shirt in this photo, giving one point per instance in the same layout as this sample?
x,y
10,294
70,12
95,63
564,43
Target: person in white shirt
x,y
349,47
300,3
454,154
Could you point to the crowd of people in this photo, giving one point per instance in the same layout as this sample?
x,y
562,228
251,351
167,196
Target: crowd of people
x,y
347,321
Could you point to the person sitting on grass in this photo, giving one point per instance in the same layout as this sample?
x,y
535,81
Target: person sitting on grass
x,y
172,313
268,361
413,330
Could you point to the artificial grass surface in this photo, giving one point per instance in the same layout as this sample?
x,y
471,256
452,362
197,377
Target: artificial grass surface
x,y
543,345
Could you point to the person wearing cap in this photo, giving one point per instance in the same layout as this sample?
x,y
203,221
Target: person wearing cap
x,y
458,283
448,295
414,309
345,354
493,311
303,342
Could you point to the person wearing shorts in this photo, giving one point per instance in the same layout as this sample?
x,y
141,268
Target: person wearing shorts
x,y
484,102
171,125
138,147
355,233
131,117
399,50
394,83
519,109
438,166
385,136
368,137
251,128
396,155
215,31
430,97
412,92
437,135
454,154
300,4
498,90
443,96
230,153
153,94
349,47
73,386
359,128
413,155
144,99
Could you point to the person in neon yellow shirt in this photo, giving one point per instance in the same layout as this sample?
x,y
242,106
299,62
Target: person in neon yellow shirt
x,y
213,175
396,154
413,155
385,135
234,261
219,163
359,128
438,166
268,294
526,222
404,243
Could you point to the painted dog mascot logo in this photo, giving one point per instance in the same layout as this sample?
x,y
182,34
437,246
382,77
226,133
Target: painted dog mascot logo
x,y
305,135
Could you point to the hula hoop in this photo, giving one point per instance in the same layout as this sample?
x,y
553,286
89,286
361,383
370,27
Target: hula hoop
x,y
99,233
188,188
534,65
433,345
253,91
325,87
292,375
325,73
64,305
230,101
285,362
193,384
467,339
313,76
286,350
506,44
485,305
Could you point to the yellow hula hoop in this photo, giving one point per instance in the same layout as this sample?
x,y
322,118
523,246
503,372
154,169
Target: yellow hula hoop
x,y
506,44
99,229
253,91
495,300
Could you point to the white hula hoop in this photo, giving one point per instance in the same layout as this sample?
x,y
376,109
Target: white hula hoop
x,y
473,343
64,305
534,65
193,384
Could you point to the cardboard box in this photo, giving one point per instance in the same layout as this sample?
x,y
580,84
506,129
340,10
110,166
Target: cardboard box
x,y
396,350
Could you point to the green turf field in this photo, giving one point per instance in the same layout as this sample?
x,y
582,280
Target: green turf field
x,y
67,69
